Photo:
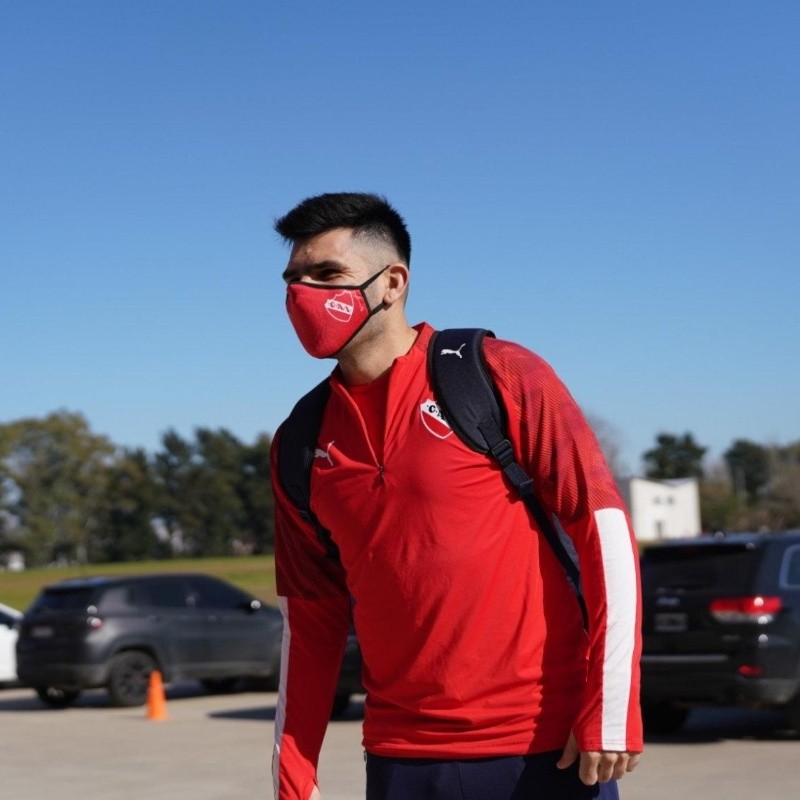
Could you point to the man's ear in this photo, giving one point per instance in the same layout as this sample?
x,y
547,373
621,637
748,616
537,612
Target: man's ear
x,y
396,284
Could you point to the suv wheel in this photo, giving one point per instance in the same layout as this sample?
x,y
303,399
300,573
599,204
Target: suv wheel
x,y
129,678
663,718
56,698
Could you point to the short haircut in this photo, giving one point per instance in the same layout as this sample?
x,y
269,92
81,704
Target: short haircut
x,y
368,214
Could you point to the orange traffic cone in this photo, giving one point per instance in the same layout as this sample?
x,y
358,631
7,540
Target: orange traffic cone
x,y
156,699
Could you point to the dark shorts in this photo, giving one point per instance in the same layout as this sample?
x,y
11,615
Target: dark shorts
x,y
533,777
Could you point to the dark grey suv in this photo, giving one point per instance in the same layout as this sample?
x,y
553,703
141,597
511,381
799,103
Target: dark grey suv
x,y
721,626
113,632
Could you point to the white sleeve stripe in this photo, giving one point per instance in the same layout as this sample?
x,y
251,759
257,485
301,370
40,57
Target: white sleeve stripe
x,y
280,709
619,569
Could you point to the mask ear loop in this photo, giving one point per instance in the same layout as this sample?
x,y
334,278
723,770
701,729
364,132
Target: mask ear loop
x,y
362,288
369,280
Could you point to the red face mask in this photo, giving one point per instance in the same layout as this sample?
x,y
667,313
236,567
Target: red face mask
x,y
326,318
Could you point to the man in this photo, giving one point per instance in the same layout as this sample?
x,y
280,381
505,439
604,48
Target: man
x,y
481,681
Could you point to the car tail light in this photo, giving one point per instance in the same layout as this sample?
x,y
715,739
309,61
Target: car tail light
x,y
760,610
750,671
94,623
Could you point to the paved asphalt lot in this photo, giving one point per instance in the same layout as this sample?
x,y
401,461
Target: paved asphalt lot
x,y
218,748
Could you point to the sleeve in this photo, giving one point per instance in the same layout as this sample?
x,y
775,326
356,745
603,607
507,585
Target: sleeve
x,y
316,613
560,452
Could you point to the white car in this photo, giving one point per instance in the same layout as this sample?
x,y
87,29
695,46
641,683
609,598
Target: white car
x,y
9,617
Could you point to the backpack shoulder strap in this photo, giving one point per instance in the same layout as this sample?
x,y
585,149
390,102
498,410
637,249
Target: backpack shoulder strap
x,y
298,440
468,399
464,390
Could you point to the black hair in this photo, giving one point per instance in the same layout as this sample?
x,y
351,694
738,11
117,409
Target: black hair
x,y
365,213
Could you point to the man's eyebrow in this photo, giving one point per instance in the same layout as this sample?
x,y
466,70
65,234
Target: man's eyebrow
x,y
316,266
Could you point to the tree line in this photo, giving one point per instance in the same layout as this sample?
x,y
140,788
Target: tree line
x,y
754,487
68,494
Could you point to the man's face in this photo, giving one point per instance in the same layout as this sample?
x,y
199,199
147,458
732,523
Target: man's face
x,y
333,258
336,284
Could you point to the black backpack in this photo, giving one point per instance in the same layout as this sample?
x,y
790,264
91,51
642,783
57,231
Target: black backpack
x,y
467,397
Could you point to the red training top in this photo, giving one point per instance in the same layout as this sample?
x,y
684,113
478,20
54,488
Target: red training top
x,y
470,633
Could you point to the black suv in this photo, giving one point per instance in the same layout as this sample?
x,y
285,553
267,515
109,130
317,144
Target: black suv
x,y
114,632
721,626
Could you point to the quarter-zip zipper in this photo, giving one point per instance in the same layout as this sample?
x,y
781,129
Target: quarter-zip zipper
x,y
363,425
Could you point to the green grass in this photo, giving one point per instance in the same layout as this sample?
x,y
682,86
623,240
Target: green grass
x,y
254,574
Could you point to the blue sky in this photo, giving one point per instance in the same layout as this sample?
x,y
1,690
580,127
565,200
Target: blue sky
x,y
614,185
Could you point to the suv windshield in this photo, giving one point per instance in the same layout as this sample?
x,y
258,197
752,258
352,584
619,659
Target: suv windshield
x,y
63,600
726,568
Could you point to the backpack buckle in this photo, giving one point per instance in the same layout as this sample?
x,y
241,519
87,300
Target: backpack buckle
x,y
503,453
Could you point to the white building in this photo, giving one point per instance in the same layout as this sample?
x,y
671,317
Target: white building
x,y
13,561
668,509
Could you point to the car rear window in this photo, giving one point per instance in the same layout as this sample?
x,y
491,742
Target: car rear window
x,y
63,600
727,568
790,575
117,599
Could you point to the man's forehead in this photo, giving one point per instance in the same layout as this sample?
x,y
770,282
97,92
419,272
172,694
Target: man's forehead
x,y
341,248
330,244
